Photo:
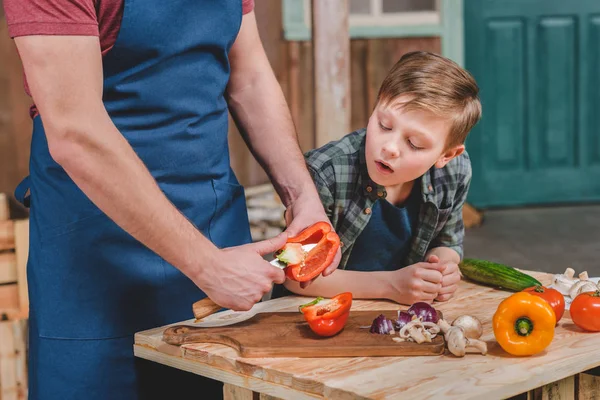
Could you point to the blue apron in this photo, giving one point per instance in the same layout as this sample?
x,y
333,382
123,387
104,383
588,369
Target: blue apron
x,y
91,284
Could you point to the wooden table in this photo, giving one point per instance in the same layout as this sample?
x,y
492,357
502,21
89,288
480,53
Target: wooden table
x,y
557,373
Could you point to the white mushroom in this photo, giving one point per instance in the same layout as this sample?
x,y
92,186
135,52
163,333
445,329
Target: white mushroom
x,y
458,343
564,282
471,325
581,287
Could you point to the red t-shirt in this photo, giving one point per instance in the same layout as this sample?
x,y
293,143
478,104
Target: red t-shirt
x,y
71,17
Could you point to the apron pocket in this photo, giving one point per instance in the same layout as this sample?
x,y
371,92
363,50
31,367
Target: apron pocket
x,y
229,225
92,280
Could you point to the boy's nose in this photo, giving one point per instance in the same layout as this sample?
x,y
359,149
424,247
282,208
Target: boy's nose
x,y
391,151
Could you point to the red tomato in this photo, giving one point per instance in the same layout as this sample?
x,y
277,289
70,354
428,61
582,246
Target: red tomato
x,y
585,311
552,296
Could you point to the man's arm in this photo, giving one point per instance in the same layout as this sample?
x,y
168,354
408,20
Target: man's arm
x,y
65,78
262,114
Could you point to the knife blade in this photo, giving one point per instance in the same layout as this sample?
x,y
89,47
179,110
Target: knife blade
x,y
206,307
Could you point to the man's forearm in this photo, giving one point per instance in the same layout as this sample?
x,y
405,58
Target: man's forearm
x,y
362,285
104,166
263,117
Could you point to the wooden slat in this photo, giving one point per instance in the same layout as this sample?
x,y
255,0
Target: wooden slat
x,y
7,235
22,253
4,211
358,88
13,367
587,387
331,43
9,297
306,124
15,123
232,392
293,93
563,389
8,268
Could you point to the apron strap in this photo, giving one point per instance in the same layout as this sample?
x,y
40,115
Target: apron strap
x,y
21,192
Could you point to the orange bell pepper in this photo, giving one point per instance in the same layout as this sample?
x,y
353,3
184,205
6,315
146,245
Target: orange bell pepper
x,y
310,265
328,317
524,324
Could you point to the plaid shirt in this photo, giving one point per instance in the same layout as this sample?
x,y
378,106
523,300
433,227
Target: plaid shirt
x,y
339,171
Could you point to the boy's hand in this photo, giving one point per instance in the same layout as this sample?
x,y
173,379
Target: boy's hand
x,y
450,279
418,282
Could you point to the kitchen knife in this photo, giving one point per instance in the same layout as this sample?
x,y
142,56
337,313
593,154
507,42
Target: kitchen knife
x,y
206,307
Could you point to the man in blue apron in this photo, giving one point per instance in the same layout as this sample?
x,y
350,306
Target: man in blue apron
x,y
135,211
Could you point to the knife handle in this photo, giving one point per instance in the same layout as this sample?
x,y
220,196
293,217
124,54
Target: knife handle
x,y
205,307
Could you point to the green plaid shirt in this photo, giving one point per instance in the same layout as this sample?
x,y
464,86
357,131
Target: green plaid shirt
x,y
348,194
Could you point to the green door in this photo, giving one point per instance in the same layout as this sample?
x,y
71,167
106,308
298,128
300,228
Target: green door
x,y
537,63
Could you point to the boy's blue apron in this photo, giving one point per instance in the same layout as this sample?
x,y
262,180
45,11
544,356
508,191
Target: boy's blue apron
x,y
91,284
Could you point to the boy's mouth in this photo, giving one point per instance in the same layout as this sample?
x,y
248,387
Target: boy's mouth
x,y
383,167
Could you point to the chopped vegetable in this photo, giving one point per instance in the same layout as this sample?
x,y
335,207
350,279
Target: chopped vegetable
x,y
291,253
403,318
383,326
585,311
319,257
424,311
564,282
419,331
328,317
524,324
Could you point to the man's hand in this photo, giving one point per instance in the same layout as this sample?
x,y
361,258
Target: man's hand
x,y
418,282
239,276
302,213
450,279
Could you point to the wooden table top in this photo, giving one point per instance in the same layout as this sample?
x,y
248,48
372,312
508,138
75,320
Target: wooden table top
x,y
496,375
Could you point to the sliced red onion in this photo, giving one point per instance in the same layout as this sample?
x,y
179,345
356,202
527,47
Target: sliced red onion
x,y
382,325
403,319
424,311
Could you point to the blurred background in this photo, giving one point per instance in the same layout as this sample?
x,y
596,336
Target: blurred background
x,y
536,152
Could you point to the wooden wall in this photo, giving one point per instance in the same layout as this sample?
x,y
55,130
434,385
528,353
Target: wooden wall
x,y
291,61
15,123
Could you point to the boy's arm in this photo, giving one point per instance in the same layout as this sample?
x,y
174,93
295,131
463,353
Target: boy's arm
x,y
447,247
362,285
448,244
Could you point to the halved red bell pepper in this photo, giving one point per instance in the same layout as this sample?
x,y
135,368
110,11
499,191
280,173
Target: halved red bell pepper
x,y
317,259
327,317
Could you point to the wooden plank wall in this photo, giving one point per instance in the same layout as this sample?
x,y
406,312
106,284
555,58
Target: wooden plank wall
x,y
15,123
291,61
370,60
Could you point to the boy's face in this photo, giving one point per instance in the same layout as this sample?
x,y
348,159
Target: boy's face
x,y
402,145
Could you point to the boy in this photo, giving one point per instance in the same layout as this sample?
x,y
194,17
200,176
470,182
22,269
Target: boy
x,y
394,191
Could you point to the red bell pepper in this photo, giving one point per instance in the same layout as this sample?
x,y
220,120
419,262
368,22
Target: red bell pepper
x,y
328,317
304,267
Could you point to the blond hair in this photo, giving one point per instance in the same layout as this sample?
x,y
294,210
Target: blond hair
x,y
436,84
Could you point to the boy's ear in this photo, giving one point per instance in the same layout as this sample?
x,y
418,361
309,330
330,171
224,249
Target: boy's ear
x,y
449,155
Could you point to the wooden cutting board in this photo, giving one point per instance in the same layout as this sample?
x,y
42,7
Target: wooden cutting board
x,y
286,334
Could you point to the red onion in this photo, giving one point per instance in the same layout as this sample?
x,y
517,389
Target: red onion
x,y
424,311
403,319
382,325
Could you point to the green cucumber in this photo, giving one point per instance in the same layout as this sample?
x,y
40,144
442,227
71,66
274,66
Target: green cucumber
x,y
499,276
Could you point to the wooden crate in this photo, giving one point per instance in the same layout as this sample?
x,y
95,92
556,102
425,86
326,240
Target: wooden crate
x,y
13,359
14,250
